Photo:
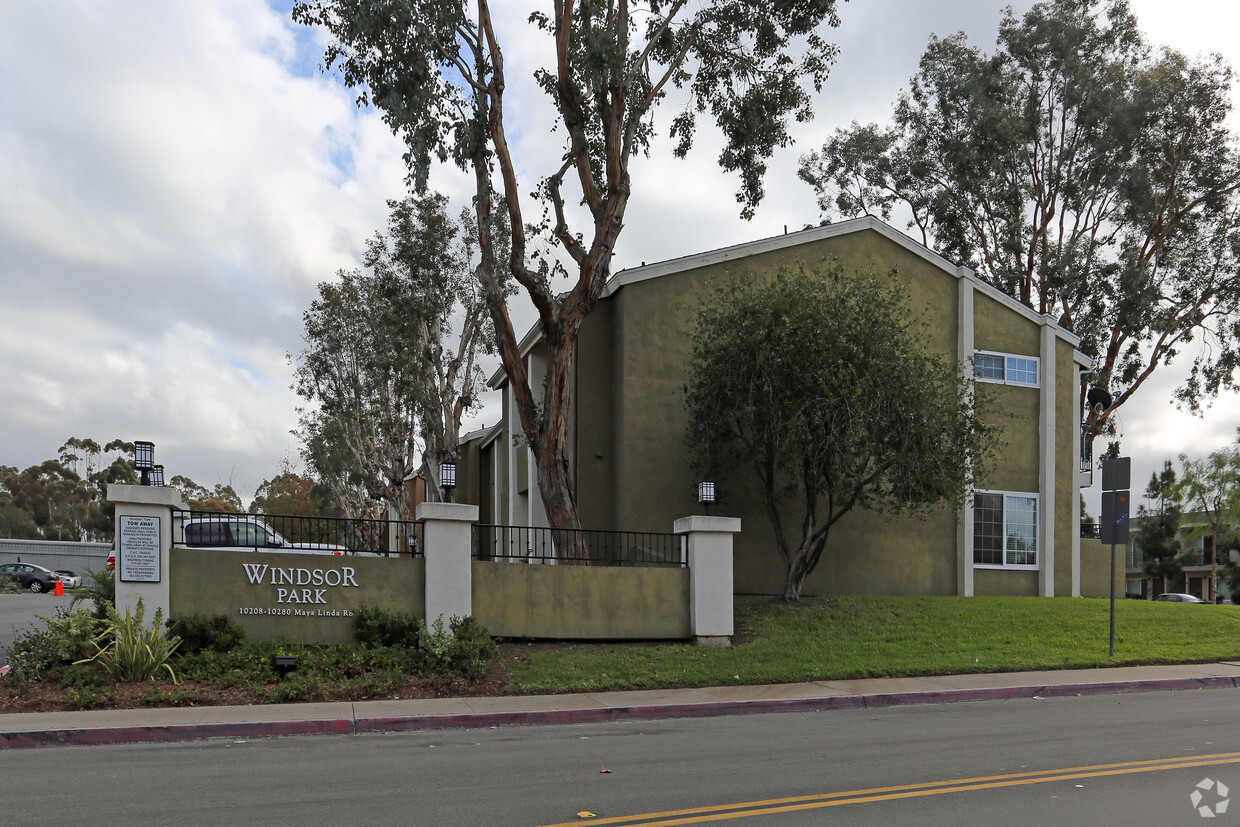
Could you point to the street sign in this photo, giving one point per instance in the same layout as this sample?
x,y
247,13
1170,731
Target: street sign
x,y
1117,474
1114,527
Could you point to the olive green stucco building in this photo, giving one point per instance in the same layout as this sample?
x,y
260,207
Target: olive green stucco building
x,y
1019,535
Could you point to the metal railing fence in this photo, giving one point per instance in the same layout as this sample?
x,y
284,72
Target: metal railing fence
x,y
277,532
596,548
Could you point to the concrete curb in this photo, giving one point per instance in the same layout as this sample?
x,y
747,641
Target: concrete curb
x,y
99,736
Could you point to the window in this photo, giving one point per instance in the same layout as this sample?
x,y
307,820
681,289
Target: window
x,y
1005,530
249,534
206,534
1006,369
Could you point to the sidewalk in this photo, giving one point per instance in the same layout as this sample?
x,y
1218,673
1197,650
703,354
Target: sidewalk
x,y
182,724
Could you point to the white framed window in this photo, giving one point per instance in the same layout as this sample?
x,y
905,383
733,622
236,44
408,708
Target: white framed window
x,y
1006,368
1005,530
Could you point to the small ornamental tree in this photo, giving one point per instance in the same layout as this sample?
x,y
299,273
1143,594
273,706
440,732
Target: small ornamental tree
x,y
823,381
1159,534
1212,486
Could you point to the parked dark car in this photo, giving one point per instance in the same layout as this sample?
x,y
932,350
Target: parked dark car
x,y
35,578
1172,597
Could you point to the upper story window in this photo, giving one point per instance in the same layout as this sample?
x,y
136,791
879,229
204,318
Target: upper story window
x,y
1006,368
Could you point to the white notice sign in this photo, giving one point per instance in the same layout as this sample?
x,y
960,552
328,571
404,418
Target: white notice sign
x,y
138,558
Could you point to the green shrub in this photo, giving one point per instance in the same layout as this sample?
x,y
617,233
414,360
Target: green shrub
x,y
374,627
85,697
128,651
10,585
66,637
247,664
473,652
198,633
173,696
83,686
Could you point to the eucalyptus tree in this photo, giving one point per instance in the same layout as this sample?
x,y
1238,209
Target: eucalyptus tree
x,y
1081,171
822,382
390,363
66,498
437,71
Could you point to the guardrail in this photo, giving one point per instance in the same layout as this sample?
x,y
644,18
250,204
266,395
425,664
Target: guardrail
x,y
597,548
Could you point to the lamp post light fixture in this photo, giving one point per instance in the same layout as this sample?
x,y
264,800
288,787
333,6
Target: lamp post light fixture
x,y
144,460
157,476
706,494
447,478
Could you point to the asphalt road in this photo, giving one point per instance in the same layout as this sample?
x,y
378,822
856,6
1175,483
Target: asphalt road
x,y
18,611
1119,759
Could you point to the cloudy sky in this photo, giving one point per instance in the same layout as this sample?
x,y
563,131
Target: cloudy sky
x,y
177,177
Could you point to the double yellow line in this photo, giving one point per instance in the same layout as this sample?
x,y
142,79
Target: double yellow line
x,y
774,806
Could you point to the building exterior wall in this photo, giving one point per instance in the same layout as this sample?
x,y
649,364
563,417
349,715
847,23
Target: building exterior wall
x,y
1096,569
595,451
581,602
635,472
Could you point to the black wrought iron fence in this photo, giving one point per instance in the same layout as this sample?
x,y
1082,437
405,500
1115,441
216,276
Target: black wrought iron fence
x,y
308,535
597,548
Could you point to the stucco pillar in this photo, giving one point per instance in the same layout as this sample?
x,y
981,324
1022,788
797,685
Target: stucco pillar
x,y
965,351
1047,475
143,527
447,543
709,549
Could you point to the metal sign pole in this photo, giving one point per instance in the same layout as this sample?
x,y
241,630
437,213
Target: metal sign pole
x,y
1116,474
1112,596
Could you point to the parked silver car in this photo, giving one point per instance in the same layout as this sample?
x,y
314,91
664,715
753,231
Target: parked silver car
x,y
1175,597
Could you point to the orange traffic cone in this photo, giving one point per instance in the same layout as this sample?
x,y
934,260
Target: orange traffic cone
x,y
60,588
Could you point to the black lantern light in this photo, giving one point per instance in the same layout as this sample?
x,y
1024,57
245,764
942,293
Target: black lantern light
x,y
447,478
144,460
706,494
157,476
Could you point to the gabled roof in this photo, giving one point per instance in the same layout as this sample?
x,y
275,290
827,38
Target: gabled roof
x,y
738,252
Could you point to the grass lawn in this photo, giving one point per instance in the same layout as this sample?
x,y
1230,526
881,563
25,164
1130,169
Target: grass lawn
x,y
855,637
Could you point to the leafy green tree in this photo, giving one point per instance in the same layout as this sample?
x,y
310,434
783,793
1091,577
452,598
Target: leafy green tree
x,y
1212,486
1078,170
15,522
390,380
438,73
221,499
66,498
57,500
1158,537
293,494
825,385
